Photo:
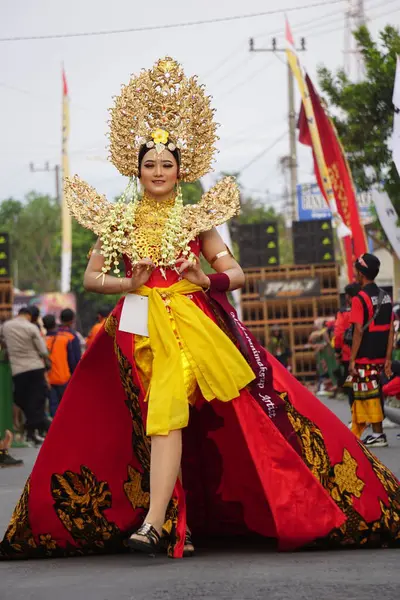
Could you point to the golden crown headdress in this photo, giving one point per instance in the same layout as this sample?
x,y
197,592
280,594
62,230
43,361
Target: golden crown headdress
x,y
162,108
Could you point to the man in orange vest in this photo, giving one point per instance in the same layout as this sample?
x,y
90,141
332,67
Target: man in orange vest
x,y
58,343
102,314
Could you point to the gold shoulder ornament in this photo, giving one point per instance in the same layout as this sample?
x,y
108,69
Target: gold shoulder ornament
x,y
114,223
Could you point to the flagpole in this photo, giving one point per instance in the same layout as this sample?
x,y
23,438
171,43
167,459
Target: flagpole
x,y
66,223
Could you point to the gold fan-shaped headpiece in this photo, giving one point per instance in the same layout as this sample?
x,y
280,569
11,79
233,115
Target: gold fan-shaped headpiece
x,y
162,108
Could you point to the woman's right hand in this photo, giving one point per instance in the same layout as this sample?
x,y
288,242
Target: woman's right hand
x,y
141,273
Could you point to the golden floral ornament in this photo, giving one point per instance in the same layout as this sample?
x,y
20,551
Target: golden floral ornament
x,y
160,136
346,476
163,99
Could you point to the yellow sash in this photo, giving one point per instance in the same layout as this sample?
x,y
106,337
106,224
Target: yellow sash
x,y
219,367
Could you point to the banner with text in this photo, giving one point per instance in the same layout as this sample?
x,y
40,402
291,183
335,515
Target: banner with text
x,y
293,288
312,205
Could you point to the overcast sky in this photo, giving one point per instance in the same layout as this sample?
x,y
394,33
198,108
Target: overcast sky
x,y
249,89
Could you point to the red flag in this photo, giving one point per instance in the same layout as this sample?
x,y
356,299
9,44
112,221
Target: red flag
x,y
339,172
64,80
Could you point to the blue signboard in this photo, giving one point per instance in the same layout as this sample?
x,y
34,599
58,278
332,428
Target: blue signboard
x,y
312,205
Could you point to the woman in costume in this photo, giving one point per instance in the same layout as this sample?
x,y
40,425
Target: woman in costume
x,y
177,414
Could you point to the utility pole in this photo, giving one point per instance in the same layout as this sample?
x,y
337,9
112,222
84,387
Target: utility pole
x,y
291,117
47,168
354,19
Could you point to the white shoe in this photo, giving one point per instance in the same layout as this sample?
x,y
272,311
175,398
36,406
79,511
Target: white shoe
x,y
373,441
388,424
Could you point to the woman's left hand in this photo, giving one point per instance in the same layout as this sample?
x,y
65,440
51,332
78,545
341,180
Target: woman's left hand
x,y
192,271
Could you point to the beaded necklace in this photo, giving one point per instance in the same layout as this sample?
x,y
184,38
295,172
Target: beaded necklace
x,y
146,228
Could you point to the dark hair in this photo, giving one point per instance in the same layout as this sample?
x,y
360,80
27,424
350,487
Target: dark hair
x,y
67,315
104,311
144,150
24,311
49,322
352,289
35,312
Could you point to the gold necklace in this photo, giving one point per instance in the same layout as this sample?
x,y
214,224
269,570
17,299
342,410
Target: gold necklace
x,y
144,229
151,219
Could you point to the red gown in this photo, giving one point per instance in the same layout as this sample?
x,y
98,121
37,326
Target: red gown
x,y
273,462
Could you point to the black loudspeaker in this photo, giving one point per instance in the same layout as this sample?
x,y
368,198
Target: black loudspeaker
x,y
5,262
313,241
258,244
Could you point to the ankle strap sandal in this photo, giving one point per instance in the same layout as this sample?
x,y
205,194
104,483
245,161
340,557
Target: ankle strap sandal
x,y
150,541
188,549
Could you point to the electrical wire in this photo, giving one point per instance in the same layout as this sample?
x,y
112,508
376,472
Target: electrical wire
x,y
169,25
309,27
264,152
243,82
369,18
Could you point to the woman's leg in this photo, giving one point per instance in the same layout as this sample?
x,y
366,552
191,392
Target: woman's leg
x,y
166,453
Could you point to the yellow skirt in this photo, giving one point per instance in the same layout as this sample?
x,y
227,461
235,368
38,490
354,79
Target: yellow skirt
x,y
143,356
185,352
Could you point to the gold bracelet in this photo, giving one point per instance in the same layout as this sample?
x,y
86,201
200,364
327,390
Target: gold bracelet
x,y
226,252
206,289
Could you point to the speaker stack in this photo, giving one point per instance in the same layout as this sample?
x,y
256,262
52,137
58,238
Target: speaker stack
x,y
5,265
258,244
6,287
313,242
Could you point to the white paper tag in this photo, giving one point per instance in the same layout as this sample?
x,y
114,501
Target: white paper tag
x,y
134,315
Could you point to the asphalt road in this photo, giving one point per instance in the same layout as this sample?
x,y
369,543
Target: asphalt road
x,y
229,573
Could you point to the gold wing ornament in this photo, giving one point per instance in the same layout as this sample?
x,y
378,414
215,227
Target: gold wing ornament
x,y
85,204
93,211
218,205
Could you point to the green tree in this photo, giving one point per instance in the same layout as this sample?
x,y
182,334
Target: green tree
x,y
87,302
192,192
34,227
364,111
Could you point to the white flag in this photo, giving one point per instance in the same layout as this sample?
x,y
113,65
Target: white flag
x,y
388,218
396,120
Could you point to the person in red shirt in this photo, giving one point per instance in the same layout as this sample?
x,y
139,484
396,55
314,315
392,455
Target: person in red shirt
x,y
102,314
371,351
342,336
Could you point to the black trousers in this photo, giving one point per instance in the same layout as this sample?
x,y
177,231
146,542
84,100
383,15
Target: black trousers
x,y
30,391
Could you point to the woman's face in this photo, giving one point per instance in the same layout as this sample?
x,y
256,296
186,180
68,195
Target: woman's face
x,y
158,173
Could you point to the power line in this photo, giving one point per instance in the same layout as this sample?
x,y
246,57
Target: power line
x,y
369,18
170,25
308,26
263,152
248,78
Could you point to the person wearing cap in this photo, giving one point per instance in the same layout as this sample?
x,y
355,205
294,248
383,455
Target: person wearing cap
x,y
371,352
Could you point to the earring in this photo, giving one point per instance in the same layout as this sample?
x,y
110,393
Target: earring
x,y
179,195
